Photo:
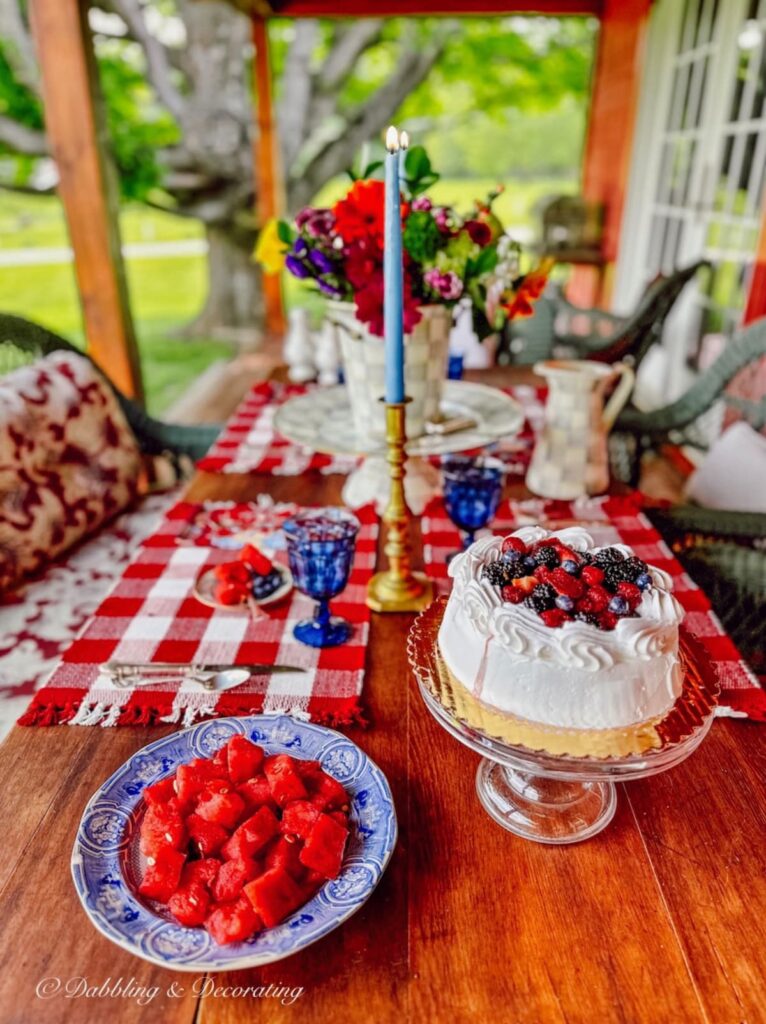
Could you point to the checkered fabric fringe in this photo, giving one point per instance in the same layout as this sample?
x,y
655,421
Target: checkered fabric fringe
x,y
249,444
152,616
613,520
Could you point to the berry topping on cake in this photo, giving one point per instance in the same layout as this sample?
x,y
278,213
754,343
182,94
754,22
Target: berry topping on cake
x,y
562,585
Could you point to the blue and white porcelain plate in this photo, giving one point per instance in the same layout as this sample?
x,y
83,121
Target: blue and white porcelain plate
x,y
105,855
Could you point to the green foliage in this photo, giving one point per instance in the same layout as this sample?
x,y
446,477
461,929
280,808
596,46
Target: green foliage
x,y
418,174
421,236
16,101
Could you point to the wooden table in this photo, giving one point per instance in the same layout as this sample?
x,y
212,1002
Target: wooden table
x,y
660,918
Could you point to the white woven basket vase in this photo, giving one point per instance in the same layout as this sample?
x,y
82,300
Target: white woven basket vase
x,y
426,351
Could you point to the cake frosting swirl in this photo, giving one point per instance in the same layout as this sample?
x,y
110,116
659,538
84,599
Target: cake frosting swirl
x,y
562,668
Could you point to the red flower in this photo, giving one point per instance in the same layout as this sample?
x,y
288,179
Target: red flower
x,y
479,233
368,296
361,215
530,289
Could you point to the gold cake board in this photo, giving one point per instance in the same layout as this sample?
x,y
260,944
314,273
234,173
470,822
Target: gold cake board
x,y
691,711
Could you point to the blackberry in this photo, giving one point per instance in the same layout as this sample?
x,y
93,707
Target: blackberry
x,y
542,598
636,568
547,556
607,556
498,573
588,617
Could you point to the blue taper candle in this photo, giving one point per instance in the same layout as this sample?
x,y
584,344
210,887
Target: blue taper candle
x,y
393,275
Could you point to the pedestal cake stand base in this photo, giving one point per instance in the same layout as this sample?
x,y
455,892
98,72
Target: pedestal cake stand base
x,y
558,785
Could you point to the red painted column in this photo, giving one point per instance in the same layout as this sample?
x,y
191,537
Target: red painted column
x,y
611,126
755,306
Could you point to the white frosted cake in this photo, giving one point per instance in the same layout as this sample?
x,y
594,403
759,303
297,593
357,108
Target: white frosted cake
x,y
549,628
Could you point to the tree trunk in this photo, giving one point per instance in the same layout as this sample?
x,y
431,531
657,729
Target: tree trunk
x,y
233,309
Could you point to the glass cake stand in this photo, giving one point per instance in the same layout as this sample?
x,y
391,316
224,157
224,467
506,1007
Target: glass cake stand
x,y
557,785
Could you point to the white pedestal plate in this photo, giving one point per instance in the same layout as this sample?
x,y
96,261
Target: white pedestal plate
x,y
322,420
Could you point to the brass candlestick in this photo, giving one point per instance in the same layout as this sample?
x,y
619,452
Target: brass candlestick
x,y
398,589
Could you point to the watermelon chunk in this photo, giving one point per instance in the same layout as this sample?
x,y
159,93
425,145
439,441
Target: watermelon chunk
x,y
233,922
323,850
161,791
252,835
190,778
208,837
274,895
298,818
281,853
162,875
201,872
307,769
162,826
284,781
256,793
225,809
256,559
232,877
244,759
189,904
232,572
327,793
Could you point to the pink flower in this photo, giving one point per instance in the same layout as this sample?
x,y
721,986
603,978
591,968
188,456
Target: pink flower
x,y
422,203
447,285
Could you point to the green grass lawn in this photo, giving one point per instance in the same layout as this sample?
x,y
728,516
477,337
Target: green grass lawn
x,y
168,292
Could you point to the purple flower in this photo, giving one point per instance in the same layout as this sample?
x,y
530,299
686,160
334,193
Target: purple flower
x,y
422,203
317,222
296,268
300,247
328,288
321,262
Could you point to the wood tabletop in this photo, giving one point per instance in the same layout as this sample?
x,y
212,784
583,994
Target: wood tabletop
x,y
660,918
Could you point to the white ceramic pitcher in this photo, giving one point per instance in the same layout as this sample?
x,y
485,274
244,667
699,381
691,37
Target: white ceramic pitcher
x,y
570,458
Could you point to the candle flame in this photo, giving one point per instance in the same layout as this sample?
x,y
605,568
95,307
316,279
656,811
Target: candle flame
x,y
404,140
392,139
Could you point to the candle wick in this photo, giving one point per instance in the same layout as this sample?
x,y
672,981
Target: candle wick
x,y
392,139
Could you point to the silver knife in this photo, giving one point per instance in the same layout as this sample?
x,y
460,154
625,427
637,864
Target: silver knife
x,y
124,673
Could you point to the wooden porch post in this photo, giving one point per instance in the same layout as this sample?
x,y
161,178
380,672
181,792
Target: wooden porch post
x,y
87,184
270,198
611,125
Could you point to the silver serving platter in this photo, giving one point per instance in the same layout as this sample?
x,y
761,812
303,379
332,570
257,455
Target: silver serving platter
x,y
322,420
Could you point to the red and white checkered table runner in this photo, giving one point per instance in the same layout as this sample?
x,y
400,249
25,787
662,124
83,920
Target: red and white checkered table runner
x,y
613,521
249,443
152,616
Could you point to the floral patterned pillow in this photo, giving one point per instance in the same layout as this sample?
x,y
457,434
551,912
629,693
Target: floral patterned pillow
x,y
68,461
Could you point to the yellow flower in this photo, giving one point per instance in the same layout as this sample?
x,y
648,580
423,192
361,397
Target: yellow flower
x,y
269,249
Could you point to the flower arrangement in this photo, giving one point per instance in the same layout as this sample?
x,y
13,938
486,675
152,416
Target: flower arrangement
x,y
446,255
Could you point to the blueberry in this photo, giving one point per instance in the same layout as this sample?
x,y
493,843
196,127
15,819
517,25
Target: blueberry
x,y
566,604
529,564
570,566
644,581
510,556
618,605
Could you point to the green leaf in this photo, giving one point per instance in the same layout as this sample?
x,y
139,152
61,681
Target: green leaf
x,y
485,262
371,168
284,232
416,164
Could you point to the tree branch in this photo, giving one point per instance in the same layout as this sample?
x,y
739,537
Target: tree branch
x,y
338,153
22,139
297,87
350,42
158,66
21,52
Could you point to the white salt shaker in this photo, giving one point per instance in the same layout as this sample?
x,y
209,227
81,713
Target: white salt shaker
x,y
328,354
299,348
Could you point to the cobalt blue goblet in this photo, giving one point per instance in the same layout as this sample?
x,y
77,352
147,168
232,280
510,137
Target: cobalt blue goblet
x,y
472,491
320,548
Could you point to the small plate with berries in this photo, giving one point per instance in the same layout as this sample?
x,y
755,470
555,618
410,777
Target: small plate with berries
x,y
562,585
250,579
234,843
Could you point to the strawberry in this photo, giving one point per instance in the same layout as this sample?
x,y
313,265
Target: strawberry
x,y
514,544
607,620
564,583
514,595
256,559
630,592
526,584
542,573
554,617
592,575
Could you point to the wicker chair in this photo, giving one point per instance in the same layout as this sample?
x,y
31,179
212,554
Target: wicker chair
x,y
23,342
724,551
560,329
